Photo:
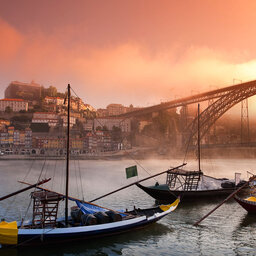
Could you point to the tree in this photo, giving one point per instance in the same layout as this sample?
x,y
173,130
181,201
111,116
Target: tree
x,y
37,107
98,128
105,128
38,127
116,134
21,118
52,91
8,110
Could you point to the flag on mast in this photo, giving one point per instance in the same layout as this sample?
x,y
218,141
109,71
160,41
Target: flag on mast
x,y
131,171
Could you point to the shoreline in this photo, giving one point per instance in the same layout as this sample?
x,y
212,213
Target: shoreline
x,y
136,153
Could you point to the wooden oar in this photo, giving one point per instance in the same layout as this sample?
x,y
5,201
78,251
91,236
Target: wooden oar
x,y
230,196
24,189
134,183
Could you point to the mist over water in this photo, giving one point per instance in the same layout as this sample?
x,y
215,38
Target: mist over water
x,y
228,231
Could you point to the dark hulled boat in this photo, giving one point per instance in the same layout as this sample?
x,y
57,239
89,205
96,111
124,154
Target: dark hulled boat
x,y
190,185
249,204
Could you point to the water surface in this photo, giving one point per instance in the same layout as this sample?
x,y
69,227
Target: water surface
x,y
228,231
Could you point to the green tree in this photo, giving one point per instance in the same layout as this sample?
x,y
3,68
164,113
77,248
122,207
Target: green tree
x,y
116,134
8,110
52,91
98,128
105,128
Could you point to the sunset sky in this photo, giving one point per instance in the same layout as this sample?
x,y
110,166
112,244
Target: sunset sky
x,y
136,52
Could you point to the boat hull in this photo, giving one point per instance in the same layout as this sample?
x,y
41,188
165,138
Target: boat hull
x,y
170,195
137,218
249,206
73,234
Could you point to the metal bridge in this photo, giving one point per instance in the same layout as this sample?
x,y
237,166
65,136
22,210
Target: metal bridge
x,y
225,99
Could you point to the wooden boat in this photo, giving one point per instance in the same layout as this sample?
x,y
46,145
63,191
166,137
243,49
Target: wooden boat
x,y
86,221
249,203
191,185
26,235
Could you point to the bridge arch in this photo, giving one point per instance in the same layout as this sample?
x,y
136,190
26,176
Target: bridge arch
x,y
211,114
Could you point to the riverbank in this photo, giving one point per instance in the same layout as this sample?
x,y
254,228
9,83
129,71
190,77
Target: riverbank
x,y
146,153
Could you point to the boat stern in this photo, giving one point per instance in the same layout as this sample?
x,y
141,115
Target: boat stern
x,y
8,233
170,207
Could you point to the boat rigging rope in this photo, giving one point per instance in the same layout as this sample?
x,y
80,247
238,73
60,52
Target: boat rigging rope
x,y
46,169
14,197
81,182
42,169
29,170
63,178
30,201
121,142
129,154
25,215
54,171
32,238
77,187
187,147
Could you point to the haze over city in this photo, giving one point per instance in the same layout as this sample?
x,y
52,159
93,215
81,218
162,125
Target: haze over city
x,y
129,52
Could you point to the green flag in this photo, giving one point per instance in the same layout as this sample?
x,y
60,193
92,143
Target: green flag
x,y
131,171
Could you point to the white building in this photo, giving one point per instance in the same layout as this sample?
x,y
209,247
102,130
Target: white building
x,y
15,104
110,122
115,109
72,120
51,119
88,126
54,100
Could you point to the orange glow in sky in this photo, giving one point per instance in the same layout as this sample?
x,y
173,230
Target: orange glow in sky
x,y
136,52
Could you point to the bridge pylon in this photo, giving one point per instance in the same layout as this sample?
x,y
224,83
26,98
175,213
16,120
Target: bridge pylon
x,y
245,132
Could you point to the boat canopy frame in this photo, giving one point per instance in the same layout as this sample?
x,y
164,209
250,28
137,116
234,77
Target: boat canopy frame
x,y
45,208
187,180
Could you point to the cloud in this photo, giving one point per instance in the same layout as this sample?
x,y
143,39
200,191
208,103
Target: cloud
x,y
10,43
127,73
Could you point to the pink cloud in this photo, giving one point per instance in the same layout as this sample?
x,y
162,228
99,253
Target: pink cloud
x,y
10,43
122,73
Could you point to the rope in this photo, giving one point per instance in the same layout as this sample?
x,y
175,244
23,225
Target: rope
x,y
35,187
81,183
26,175
54,171
121,142
30,201
14,197
77,187
62,177
34,237
136,161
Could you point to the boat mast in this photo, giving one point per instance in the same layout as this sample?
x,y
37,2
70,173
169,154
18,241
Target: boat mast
x,y
67,159
198,138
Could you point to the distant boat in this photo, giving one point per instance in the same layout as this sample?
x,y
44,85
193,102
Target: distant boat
x,y
87,220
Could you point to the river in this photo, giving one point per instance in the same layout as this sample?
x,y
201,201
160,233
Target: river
x,y
228,231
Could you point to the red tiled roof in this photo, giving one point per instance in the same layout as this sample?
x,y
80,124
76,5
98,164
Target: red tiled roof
x,y
45,113
49,97
13,100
